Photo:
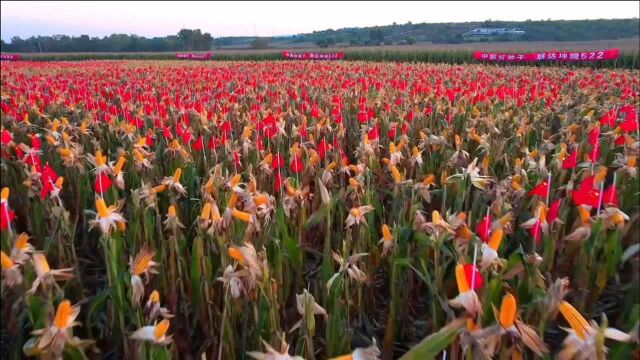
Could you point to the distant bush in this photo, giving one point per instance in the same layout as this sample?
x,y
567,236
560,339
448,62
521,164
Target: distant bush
x,y
260,43
326,42
410,40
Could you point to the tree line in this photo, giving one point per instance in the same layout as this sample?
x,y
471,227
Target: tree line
x,y
534,30
185,40
409,33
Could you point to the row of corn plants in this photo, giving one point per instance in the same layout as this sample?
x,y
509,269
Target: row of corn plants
x,y
627,59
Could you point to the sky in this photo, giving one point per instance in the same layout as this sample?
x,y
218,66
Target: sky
x,y
161,18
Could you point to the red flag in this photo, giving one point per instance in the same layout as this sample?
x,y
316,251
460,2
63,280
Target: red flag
x,y
199,144
6,137
374,133
594,155
296,165
571,161
277,162
588,182
6,216
48,177
186,137
541,190
471,272
362,117
36,144
405,128
103,183
554,210
483,228
149,139
536,232
586,196
322,148
236,158
630,124
392,133
610,196
167,133
609,119
594,134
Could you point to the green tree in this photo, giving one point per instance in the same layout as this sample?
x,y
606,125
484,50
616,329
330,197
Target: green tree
x,y
260,43
376,34
186,36
325,42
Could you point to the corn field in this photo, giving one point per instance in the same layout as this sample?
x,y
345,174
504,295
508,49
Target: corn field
x,y
627,59
319,210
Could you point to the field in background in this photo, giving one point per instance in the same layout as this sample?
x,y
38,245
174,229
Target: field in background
x,y
625,45
629,44
628,58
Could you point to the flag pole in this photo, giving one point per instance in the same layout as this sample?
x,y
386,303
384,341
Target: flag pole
x,y
475,253
548,188
600,196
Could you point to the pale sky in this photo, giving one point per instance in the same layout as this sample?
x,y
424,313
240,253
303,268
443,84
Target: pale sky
x,y
161,18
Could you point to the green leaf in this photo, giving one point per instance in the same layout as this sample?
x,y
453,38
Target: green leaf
x,y
403,261
316,217
159,353
37,312
196,272
98,302
263,326
290,246
431,346
422,239
72,353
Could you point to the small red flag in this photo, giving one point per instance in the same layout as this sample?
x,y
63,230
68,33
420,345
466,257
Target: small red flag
x,y
610,196
541,190
571,161
554,210
473,276
103,183
483,228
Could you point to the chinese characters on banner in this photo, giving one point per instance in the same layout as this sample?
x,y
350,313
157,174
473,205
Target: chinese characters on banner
x,y
10,57
312,56
549,56
194,56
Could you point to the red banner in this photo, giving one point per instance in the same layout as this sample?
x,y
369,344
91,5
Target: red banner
x,y
194,56
10,57
549,56
312,56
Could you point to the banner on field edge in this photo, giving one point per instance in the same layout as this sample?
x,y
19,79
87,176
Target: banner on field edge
x,y
598,55
312,56
10,57
194,56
